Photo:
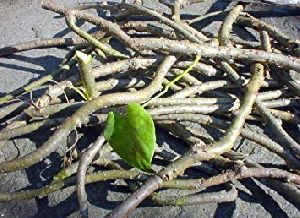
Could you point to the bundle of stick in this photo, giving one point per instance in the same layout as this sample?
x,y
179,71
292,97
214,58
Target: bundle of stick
x,y
183,77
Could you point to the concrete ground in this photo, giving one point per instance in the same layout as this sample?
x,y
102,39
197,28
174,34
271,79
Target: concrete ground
x,y
22,21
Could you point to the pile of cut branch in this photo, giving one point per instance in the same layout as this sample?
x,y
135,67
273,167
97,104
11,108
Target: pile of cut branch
x,y
182,77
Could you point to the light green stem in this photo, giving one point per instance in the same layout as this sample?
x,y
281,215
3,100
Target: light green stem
x,y
87,78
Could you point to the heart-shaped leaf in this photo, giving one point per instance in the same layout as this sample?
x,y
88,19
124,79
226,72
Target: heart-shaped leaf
x,y
132,136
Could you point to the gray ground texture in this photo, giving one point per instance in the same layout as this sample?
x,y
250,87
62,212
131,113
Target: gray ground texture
x,y
22,21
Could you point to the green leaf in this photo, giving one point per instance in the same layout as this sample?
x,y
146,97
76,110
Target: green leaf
x,y
109,126
132,136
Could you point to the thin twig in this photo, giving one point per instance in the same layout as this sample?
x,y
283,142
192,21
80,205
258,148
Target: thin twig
x,y
226,26
241,173
44,43
71,21
196,199
85,160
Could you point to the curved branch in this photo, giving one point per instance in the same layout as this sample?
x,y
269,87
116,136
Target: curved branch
x,y
80,117
85,160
